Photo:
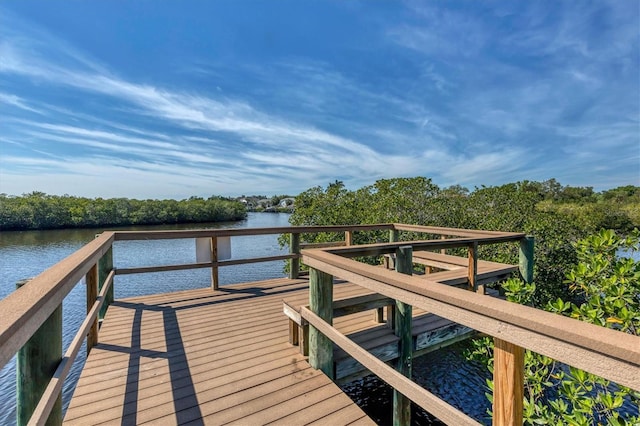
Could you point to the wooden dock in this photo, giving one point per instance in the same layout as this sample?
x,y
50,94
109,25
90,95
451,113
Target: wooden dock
x,y
208,357
223,355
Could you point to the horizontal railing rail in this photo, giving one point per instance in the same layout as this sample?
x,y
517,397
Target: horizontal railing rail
x,y
607,353
26,310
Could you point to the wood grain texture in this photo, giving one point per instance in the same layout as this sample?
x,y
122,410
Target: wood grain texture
x,y
508,383
203,357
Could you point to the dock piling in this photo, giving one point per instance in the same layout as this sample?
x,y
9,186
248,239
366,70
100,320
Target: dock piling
x,y
36,362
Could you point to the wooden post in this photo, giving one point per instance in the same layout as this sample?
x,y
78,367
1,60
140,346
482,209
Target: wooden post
x,y
321,304
294,248
36,362
403,314
443,251
215,278
473,269
526,258
348,238
92,281
508,383
105,266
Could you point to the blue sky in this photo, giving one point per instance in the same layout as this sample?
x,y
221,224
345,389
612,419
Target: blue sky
x,y
169,99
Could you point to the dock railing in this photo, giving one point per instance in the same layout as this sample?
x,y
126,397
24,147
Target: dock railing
x,y
32,315
607,353
31,309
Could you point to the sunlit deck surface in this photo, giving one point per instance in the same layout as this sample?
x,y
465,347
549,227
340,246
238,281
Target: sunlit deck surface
x,y
210,357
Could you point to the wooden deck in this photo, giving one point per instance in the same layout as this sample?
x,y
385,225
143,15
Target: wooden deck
x,y
205,357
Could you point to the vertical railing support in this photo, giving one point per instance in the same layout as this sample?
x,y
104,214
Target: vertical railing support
x,y
215,277
348,238
294,248
321,304
526,258
92,281
508,383
473,269
403,314
36,362
105,266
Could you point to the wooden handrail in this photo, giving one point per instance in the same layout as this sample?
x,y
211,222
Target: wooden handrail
x,y
47,400
26,309
413,391
380,249
204,233
607,353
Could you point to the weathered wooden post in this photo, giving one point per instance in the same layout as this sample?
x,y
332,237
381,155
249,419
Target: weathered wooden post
x,y
348,238
105,265
294,248
403,314
526,258
473,269
394,236
508,383
508,359
36,362
92,281
321,304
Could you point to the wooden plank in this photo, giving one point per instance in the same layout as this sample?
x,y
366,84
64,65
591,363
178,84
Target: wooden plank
x,y
238,370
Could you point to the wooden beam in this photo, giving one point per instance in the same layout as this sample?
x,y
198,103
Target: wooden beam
x,y
92,294
36,363
348,238
403,313
508,383
473,269
321,303
105,266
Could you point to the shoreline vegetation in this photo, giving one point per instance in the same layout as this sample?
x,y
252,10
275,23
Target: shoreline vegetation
x,y
40,211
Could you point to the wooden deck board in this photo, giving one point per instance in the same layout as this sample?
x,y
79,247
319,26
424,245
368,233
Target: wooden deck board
x,y
205,357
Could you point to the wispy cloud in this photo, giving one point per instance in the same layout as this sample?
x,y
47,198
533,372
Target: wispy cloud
x,y
469,98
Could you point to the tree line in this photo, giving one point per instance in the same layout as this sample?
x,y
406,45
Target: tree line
x,y
38,210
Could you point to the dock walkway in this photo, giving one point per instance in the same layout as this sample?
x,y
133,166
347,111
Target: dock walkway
x,y
209,357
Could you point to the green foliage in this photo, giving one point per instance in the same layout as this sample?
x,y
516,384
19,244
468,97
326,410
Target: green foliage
x,y
604,288
557,216
38,210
